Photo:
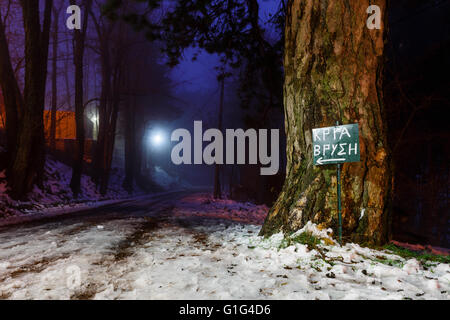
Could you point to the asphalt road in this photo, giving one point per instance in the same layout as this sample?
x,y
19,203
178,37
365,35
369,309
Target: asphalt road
x,y
144,206
30,249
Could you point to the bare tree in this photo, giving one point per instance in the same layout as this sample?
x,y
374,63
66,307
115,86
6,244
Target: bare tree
x,y
12,96
56,12
111,50
26,161
217,187
79,46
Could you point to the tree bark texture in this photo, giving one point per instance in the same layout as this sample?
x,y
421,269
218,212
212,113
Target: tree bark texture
x,y
27,165
12,97
333,72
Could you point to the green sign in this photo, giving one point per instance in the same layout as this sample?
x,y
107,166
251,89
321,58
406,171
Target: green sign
x,y
337,144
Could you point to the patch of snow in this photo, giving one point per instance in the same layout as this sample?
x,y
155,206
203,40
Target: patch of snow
x,y
362,213
315,231
412,266
204,205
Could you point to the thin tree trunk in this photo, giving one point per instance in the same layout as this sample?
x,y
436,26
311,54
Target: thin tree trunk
x,y
139,143
77,167
54,79
103,113
111,133
231,181
333,72
66,77
217,188
130,147
111,66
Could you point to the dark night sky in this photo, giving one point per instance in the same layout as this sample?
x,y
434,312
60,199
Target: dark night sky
x,y
196,85
200,75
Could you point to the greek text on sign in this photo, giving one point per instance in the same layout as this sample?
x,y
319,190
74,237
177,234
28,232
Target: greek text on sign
x,y
337,144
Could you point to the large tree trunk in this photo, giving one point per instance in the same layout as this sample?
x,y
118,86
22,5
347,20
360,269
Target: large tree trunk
x,y
333,71
12,96
27,167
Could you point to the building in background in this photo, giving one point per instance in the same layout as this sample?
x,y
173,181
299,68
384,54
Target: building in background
x,y
65,135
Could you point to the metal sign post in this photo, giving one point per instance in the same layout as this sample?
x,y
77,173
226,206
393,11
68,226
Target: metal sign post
x,y
339,201
336,145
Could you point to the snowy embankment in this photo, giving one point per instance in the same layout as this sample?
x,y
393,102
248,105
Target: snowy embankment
x,y
205,249
202,205
56,196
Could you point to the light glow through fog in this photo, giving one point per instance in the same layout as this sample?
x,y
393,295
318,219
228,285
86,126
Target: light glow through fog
x,y
157,138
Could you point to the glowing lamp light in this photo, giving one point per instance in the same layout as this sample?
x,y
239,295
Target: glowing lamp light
x,y
157,139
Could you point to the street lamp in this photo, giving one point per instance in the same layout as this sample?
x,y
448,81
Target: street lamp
x,y
157,138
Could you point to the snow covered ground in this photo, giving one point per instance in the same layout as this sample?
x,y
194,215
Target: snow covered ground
x,y
56,197
198,248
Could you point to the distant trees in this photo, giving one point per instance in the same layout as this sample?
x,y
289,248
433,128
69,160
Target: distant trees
x,y
231,29
116,41
110,38
416,96
120,88
145,100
